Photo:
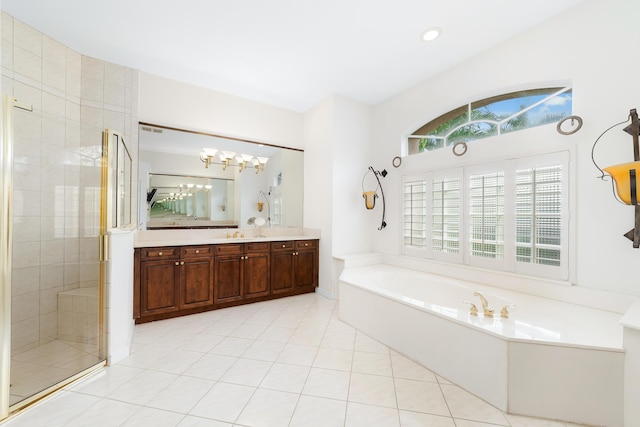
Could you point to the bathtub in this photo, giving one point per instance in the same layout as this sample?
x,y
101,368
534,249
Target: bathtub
x,y
548,359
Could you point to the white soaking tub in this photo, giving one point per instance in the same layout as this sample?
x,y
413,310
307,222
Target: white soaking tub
x,y
548,359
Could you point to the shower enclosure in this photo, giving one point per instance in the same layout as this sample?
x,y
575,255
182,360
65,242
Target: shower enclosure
x,y
55,207
60,202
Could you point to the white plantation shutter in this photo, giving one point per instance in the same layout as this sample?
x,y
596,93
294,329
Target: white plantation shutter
x,y
539,215
445,215
415,213
510,215
486,215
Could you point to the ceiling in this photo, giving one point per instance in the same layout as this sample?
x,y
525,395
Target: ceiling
x,y
287,53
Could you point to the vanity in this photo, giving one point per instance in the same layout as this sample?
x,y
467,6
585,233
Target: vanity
x,y
180,272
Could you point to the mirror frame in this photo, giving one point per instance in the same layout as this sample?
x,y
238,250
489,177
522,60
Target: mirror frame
x,y
297,221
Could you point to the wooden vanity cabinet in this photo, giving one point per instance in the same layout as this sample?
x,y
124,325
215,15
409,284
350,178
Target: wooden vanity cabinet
x,y
294,266
282,271
196,276
175,278
241,271
306,265
159,278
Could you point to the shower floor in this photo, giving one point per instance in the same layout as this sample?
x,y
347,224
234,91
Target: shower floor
x,y
39,368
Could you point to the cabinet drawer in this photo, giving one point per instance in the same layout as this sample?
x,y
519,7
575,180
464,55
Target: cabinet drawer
x,y
196,251
257,247
229,249
306,244
282,246
159,253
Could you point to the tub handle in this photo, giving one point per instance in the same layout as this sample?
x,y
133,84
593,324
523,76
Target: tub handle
x,y
473,310
504,313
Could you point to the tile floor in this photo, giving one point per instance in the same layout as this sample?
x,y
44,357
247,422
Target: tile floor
x,y
288,362
39,368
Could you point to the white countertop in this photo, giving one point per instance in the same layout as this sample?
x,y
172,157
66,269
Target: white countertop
x,y
152,238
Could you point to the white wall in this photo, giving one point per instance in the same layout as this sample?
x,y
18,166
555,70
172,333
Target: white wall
x,y
176,104
337,136
591,46
318,171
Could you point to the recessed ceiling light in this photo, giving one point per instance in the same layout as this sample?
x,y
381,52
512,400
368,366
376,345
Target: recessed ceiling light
x,y
431,34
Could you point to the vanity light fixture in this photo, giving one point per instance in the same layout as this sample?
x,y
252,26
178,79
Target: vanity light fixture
x,y
207,155
225,158
259,163
431,34
243,160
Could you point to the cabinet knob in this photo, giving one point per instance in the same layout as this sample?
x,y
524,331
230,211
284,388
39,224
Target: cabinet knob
x,y
159,253
177,263
181,262
197,251
306,244
284,246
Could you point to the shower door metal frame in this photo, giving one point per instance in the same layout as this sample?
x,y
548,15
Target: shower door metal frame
x,y
6,239
6,242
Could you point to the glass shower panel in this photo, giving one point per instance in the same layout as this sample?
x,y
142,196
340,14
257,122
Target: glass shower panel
x,y
56,326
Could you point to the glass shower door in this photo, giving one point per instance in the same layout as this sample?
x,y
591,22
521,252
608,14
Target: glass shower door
x,y
56,278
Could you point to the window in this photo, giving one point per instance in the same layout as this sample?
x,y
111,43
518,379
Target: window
x,y
445,215
415,214
510,215
493,116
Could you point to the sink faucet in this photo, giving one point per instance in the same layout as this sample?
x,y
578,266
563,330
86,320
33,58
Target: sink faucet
x,y
486,309
235,234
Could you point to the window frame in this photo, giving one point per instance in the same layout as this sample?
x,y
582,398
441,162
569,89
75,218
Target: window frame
x,y
552,91
508,263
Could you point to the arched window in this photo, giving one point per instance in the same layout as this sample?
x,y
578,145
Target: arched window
x,y
493,116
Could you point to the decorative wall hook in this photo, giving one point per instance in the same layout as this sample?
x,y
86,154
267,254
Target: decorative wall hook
x,y
370,196
625,175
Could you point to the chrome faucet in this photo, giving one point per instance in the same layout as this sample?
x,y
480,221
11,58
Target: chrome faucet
x,y
486,309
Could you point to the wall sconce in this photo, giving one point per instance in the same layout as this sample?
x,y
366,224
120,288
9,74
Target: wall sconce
x,y
625,175
370,196
262,199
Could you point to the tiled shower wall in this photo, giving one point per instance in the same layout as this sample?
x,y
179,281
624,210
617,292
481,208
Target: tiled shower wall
x,y
57,169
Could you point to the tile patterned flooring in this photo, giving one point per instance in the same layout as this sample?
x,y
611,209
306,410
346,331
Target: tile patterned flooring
x,y
287,362
40,367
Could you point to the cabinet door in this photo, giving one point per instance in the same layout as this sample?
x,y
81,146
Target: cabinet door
x,y
196,282
228,278
281,272
158,287
306,268
257,275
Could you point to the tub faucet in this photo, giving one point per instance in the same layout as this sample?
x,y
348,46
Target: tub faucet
x,y
486,309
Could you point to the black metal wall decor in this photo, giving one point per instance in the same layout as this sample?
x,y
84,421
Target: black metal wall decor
x,y
370,196
625,175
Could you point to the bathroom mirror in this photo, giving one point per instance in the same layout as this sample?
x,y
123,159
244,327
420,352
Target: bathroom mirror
x,y
223,194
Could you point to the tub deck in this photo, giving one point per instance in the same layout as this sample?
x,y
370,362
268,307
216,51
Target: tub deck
x,y
532,318
549,359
